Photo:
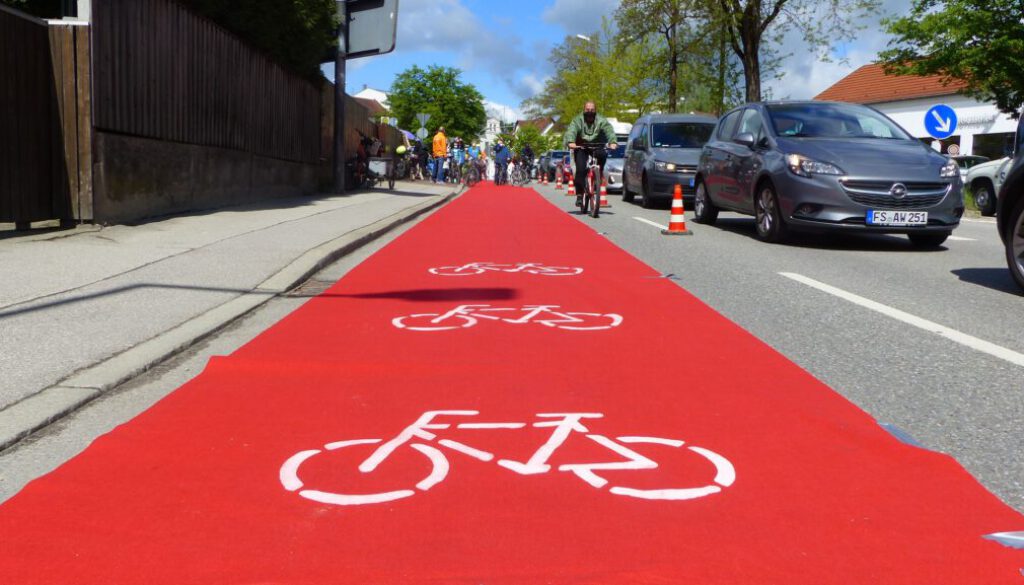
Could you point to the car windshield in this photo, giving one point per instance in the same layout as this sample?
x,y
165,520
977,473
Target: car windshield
x,y
681,134
825,120
619,152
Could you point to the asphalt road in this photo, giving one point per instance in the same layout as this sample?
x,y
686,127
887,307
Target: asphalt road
x,y
945,395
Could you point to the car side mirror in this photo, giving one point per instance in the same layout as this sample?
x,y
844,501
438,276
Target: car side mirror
x,y
746,139
638,144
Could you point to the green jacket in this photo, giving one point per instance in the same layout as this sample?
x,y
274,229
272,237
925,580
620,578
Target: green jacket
x,y
579,131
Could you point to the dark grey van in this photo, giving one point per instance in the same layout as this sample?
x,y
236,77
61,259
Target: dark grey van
x,y
663,151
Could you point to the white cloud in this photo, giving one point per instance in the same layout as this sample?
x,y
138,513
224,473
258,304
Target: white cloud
x,y
503,112
579,16
447,25
806,75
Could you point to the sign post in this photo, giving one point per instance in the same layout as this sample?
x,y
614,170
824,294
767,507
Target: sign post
x,y
338,161
376,25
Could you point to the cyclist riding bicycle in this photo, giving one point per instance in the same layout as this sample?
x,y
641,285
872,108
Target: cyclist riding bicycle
x,y
588,128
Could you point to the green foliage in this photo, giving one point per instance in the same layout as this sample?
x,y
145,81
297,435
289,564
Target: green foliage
x,y
438,91
978,41
40,8
296,33
528,134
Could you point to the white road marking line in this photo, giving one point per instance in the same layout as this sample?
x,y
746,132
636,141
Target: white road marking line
x,y
959,239
952,334
647,221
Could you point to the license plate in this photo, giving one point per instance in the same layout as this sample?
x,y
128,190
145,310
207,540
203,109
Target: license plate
x,y
691,181
897,218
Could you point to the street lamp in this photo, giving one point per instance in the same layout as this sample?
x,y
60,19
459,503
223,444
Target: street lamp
x,y
583,38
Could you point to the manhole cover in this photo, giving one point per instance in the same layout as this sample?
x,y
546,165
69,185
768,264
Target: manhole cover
x,y
310,288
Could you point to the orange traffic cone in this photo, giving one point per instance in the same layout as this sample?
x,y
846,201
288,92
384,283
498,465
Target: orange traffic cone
x,y
604,193
544,179
558,180
572,189
677,223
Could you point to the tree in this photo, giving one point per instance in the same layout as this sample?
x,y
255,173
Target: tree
x,y
438,91
528,134
749,23
980,42
614,75
670,21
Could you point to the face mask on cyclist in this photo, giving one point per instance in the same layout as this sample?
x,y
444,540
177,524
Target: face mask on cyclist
x,y
589,117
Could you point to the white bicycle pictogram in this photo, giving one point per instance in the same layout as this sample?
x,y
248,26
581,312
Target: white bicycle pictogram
x,y
464,316
563,425
474,268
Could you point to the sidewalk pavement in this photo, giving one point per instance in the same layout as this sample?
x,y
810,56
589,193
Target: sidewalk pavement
x,y
82,311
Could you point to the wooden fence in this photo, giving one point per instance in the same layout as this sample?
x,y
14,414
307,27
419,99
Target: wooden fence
x,y
163,72
33,177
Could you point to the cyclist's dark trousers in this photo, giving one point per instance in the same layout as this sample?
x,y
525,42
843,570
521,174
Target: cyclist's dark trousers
x,y
580,156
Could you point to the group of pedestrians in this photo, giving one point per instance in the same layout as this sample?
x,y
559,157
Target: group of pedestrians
x,y
451,159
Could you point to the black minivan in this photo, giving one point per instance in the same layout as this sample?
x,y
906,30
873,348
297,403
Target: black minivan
x,y
1010,210
662,152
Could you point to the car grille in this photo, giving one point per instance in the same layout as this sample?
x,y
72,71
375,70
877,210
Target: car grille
x,y
686,169
877,194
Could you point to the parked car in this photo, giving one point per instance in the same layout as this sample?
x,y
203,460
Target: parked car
x,y
613,168
966,161
549,160
662,152
984,180
827,166
1010,210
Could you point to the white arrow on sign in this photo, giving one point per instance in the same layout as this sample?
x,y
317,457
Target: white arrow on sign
x,y
944,123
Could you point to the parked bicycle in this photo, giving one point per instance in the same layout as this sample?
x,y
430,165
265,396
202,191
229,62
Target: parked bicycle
x,y
422,435
519,175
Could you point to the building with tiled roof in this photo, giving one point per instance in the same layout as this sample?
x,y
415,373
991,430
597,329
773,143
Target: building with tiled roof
x,y
981,128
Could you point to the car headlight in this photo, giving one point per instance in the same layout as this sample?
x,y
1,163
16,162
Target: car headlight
x,y
806,167
950,170
665,167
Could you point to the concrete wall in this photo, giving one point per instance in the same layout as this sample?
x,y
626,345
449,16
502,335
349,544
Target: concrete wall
x,y
136,178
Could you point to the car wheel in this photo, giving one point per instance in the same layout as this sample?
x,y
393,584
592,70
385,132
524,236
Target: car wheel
x,y
985,199
646,200
627,195
704,211
931,240
768,215
1015,243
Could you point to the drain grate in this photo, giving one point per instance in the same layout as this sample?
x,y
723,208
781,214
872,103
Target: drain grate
x,y
310,288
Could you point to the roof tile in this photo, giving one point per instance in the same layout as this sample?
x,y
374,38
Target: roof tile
x,y
870,85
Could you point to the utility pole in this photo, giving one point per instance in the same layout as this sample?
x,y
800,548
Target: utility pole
x,y
339,100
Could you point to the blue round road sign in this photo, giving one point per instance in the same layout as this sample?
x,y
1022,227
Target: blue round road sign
x,y
940,121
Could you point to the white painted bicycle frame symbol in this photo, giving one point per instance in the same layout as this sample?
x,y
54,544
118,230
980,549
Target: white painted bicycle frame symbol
x,y
474,268
464,316
420,433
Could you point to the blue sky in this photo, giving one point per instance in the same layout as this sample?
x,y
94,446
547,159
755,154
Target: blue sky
x,y
502,47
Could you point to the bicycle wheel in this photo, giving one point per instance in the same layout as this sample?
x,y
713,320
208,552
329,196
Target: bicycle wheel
x,y
425,322
288,475
595,180
585,200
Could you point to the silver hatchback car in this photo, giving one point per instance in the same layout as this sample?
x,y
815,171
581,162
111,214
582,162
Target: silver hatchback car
x,y
826,166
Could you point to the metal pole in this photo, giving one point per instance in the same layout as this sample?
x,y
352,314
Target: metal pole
x,y
339,100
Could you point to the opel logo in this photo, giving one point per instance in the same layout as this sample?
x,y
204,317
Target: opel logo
x,y
899,191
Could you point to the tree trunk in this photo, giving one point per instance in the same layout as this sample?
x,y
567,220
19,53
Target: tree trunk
x,y
751,40
673,71
723,62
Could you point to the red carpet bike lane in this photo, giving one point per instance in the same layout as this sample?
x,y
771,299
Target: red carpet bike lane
x,y
503,396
